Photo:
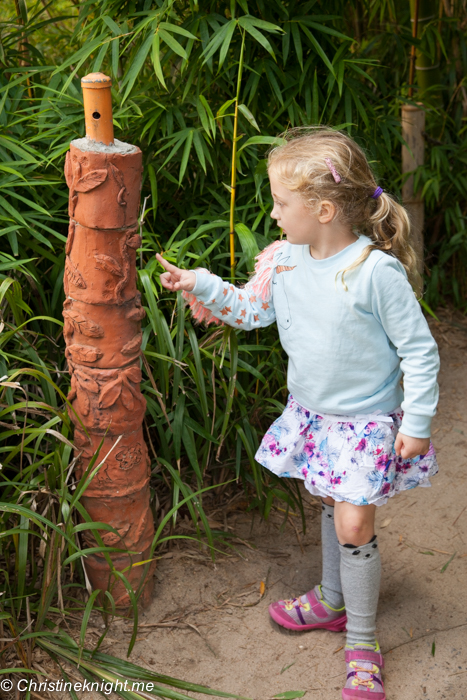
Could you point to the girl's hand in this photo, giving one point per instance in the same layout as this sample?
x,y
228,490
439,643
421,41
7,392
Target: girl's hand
x,y
174,278
409,447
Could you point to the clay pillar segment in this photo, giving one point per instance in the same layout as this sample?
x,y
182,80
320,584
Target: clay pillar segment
x,y
103,313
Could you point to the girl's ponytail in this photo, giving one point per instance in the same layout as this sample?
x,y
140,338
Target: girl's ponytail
x,y
389,228
319,163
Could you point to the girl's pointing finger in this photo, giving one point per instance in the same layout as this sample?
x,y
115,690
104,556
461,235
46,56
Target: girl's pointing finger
x,y
165,263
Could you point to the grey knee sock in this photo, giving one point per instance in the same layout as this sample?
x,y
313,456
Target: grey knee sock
x,y
360,576
331,580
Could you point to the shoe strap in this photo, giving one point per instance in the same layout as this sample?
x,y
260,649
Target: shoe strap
x,y
364,681
363,655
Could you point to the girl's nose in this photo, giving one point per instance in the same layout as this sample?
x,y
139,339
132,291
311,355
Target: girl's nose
x,y
274,214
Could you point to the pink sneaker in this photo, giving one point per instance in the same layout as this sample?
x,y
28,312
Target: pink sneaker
x,y
309,612
363,674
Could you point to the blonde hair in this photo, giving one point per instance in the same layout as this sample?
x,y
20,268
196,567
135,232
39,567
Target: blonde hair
x,y
300,164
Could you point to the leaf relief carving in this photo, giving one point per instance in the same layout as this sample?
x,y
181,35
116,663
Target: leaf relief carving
x,y
109,264
72,393
129,457
86,381
118,175
83,325
110,539
73,203
69,240
85,353
136,314
110,393
74,275
133,346
84,405
134,242
126,266
127,396
133,374
68,170
80,440
120,196
91,180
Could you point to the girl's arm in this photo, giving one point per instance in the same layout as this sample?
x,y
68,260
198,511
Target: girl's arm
x,y
213,300
396,307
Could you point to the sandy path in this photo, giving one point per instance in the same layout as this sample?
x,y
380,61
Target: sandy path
x,y
421,611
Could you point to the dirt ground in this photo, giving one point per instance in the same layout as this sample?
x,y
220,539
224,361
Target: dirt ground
x,y
209,623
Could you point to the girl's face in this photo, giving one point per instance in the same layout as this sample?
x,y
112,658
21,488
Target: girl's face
x,y
296,220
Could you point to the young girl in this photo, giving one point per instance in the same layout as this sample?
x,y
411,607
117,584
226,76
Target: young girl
x,y
341,289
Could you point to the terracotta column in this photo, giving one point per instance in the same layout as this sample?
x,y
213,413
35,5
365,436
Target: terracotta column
x,y
103,313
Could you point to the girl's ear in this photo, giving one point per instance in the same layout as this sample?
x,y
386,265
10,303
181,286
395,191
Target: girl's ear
x,y
327,212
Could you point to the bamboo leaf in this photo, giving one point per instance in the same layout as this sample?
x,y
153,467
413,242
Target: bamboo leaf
x,y
112,25
199,149
248,243
322,28
115,57
319,50
226,42
156,62
260,38
261,23
136,65
262,141
248,116
216,40
172,43
81,55
185,156
297,43
176,29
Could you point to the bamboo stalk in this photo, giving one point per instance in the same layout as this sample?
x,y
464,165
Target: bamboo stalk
x,y
22,47
233,178
413,53
413,121
413,126
424,66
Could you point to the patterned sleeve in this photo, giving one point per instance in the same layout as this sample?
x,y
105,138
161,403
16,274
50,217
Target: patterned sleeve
x,y
215,301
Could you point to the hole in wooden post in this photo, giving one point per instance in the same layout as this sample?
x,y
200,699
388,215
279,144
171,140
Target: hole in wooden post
x,y
96,115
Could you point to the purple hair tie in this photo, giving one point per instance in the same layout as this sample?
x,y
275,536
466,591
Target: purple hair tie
x,y
378,191
335,174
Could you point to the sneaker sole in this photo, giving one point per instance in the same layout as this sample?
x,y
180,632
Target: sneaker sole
x,y
347,696
337,625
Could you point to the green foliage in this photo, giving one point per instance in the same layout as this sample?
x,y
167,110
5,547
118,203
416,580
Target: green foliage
x,y
177,69
42,579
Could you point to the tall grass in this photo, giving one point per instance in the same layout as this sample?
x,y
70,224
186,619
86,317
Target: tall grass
x,y
43,584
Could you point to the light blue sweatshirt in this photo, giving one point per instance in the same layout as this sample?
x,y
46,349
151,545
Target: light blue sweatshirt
x,y
347,349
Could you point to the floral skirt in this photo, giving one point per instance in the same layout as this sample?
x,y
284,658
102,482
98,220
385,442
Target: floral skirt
x,y
350,458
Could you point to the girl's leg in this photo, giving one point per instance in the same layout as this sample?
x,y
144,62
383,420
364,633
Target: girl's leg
x,y
360,570
331,588
322,606
360,576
